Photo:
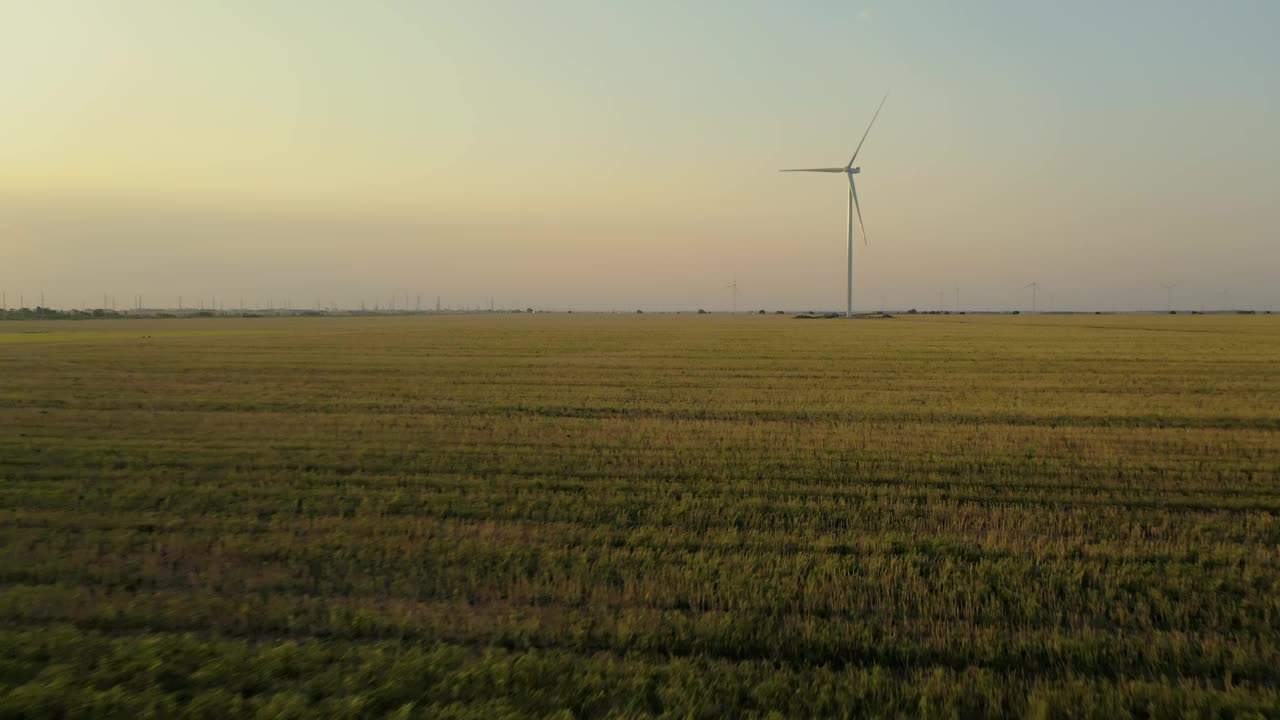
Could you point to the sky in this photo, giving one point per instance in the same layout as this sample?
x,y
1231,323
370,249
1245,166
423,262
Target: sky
x,y
616,155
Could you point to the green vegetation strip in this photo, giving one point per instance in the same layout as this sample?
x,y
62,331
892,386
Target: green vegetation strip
x,y
49,336
586,516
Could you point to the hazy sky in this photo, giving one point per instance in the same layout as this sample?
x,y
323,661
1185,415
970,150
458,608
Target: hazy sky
x,y
624,154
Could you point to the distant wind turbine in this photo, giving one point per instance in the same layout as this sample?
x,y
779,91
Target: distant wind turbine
x,y
849,171
734,287
1034,287
1169,290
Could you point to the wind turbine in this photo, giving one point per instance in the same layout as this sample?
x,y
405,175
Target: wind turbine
x,y
734,287
849,171
1169,290
1034,287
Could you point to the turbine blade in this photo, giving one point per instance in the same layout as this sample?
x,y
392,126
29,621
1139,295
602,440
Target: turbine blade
x,y
840,170
853,191
868,132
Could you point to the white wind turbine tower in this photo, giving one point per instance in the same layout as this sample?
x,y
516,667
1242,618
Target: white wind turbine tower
x,y
1169,290
734,287
1035,286
849,171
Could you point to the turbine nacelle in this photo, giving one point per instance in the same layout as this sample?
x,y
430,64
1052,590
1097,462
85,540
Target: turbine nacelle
x,y
853,171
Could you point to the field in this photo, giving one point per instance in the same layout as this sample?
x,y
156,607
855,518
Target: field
x,y
594,516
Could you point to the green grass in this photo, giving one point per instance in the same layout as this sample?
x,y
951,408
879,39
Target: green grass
x,y
943,516
21,334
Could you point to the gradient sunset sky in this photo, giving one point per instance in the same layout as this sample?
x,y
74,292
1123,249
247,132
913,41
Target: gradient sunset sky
x,y
622,155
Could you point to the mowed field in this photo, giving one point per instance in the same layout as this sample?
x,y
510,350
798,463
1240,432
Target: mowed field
x,y
630,516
